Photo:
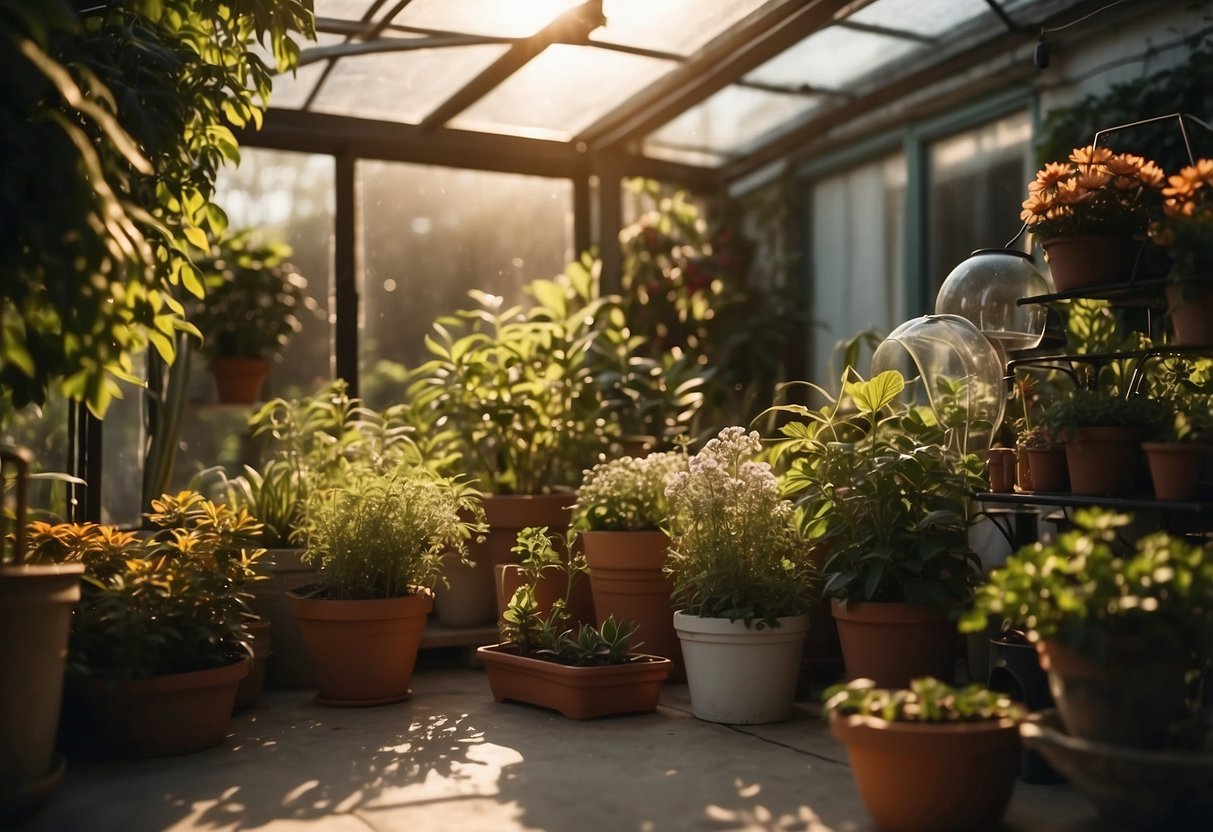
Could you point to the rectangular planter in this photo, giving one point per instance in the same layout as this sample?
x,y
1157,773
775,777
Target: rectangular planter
x,y
576,692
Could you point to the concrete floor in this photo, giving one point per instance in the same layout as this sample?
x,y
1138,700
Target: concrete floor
x,y
453,759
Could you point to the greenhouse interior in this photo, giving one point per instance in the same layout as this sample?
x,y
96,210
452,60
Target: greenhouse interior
x,y
445,414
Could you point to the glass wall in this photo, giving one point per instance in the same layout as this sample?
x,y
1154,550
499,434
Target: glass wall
x,y
857,267
431,234
978,180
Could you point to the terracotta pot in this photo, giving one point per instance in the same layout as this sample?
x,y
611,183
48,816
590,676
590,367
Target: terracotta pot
x,y
251,685
239,380
1102,462
1086,262
363,652
1049,472
507,515
552,588
1130,698
1190,307
576,692
1000,467
914,777
822,656
1175,468
627,581
287,667
469,598
173,714
1023,470
1131,788
35,617
741,675
893,643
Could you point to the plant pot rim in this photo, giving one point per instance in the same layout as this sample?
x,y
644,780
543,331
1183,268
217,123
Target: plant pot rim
x,y
1044,728
40,570
720,624
208,677
342,609
503,654
635,532
885,611
873,723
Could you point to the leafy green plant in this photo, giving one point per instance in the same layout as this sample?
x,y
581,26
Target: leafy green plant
x,y
173,602
252,295
115,118
1092,408
735,552
515,388
626,494
877,487
531,633
926,700
1086,586
383,534
312,443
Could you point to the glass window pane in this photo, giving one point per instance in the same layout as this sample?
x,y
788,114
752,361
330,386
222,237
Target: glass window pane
x,y
833,59
730,120
429,235
978,179
561,91
291,89
122,435
44,432
922,17
401,86
498,18
857,270
678,26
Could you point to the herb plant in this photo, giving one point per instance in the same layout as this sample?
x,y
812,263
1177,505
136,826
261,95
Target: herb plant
x,y
170,603
1086,586
626,494
1092,408
735,552
549,637
879,489
516,389
383,534
926,700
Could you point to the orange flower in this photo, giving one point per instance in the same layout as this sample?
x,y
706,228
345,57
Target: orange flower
x,y
1090,155
1052,174
1071,193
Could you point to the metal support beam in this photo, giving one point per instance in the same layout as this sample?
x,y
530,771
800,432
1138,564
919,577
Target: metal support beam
x,y
345,274
84,461
610,221
757,39
583,235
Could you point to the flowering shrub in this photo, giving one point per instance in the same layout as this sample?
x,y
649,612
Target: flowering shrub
x,y
626,494
1186,228
735,551
1095,192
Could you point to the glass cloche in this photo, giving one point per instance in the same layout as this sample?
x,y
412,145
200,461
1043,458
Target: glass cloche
x,y
985,288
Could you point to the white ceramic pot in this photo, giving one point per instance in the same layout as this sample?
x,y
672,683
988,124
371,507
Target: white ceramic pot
x,y
740,675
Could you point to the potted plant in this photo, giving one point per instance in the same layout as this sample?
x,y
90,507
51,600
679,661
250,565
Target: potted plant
x,y
930,756
620,511
1091,214
583,673
248,313
36,602
377,540
1102,436
158,645
878,488
515,391
1185,232
1117,630
1046,460
743,583
1180,445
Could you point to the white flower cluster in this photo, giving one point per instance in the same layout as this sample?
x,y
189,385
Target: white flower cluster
x,y
727,504
627,494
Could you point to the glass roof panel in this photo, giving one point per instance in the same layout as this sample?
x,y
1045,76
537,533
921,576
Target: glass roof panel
x,y
833,59
678,26
730,120
561,91
495,18
291,90
343,9
401,86
922,17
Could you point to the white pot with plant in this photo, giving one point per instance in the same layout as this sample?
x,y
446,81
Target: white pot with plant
x,y
742,582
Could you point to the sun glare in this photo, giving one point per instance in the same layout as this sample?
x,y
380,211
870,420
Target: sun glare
x,y
519,18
